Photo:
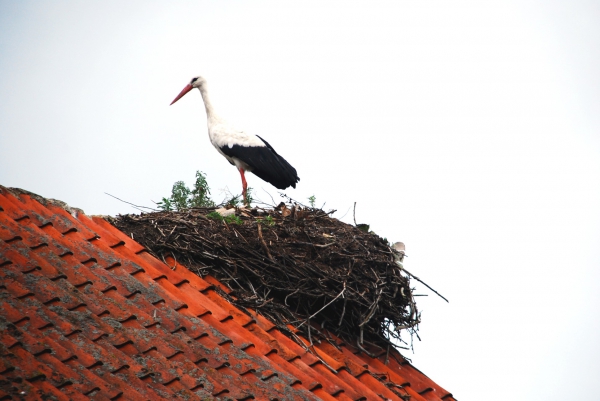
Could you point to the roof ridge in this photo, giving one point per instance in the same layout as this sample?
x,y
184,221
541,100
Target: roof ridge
x,y
16,192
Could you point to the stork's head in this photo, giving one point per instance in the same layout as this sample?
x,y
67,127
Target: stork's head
x,y
196,82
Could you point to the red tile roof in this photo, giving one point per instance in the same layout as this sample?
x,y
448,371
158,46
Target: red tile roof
x,y
86,312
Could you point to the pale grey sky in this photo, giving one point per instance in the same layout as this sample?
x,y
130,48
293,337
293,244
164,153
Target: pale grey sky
x,y
469,131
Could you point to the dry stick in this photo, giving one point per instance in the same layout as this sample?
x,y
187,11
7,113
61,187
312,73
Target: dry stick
x,y
343,311
387,355
286,297
165,262
354,213
233,278
364,350
301,343
276,236
308,243
422,282
236,231
174,227
373,309
329,303
137,206
273,200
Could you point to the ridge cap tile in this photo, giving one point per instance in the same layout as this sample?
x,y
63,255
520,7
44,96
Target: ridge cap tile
x,y
62,223
11,209
85,232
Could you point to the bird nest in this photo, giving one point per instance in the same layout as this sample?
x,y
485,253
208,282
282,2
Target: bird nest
x,y
297,266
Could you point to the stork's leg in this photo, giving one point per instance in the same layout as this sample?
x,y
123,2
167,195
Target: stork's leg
x,y
244,186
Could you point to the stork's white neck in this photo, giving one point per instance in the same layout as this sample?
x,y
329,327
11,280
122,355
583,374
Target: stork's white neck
x,y
211,116
223,134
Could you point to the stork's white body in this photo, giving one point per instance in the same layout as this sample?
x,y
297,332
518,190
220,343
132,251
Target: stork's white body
x,y
222,135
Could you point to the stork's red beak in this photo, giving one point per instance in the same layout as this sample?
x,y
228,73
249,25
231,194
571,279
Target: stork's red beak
x,y
182,93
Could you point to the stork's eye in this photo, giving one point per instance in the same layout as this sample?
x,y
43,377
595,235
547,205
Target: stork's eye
x,y
194,80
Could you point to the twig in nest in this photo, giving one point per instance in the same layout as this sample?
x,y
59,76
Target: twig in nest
x,y
364,350
422,282
387,355
288,295
319,245
134,205
301,343
343,312
240,235
174,228
263,243
174,265
329,303
373,309
272,200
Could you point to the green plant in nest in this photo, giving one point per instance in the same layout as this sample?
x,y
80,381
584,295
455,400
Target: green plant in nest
x,y
200,195
268,220
231,219
184,198
215,216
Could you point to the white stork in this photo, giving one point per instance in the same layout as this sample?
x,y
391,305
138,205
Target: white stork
x,y
246,152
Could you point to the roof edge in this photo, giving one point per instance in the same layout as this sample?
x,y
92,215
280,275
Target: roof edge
x,y
46,201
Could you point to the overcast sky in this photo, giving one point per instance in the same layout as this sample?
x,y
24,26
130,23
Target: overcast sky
x,y
470,132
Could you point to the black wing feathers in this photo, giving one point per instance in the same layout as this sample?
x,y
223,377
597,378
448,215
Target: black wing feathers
x,y
265,163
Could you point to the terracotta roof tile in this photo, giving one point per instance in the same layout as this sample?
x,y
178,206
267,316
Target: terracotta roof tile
x,y
87,312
